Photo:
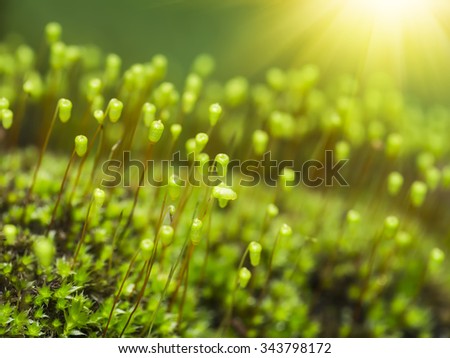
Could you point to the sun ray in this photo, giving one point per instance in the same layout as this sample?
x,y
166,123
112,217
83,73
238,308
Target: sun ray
x,y
407,39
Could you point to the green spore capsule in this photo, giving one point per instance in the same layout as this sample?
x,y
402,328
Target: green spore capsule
x,y
342,150
196,231
353,217
276,79
203,159
188,101
57,55
146,246
160,63
203,163
4,103
194,84
403,239
175,131
166,234
99,197
53,31
418,193
25,57
73,54
97,103
128,80
191,146
148,111
309,75
395,183
223,194
281,125
244,277
260,139
236,91
115,108
433,177
6,116
10,232
94,88
424,161
99,115
435,260
155,131
331,121
44,249
112,67
201,139
285,231
149,72
376,131
221,161
174,187
215,111
165,95
254,249
437,256
204,65
81,144
64,109
165,115
287,179
138,74
33,85
391,224
272,210
394,144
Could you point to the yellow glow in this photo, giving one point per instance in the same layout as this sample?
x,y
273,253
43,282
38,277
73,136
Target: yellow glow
x,y
409,40
392,8
391,17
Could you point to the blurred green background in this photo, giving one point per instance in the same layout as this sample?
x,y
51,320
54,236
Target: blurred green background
x,y
248,36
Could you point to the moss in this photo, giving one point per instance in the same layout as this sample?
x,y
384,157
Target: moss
x,y
277,258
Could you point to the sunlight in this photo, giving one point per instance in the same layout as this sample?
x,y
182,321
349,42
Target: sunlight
x,y
392,8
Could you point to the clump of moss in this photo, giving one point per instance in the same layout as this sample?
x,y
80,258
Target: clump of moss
x,y
233,256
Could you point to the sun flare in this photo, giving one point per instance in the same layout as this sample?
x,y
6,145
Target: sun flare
x,y
395,9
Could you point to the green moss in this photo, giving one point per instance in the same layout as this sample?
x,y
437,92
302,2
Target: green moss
x,y
274,259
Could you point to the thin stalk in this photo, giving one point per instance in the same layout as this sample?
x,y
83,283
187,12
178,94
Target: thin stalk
x,y
205,260
366,280
116,230
136,193
39,162
83,161
116,298
169,280
150,264
19,114
148,269
180,277
269,270
227,319
83,233
186,282
61,190
97,157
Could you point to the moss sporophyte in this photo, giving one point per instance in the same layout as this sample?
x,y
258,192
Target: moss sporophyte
x,y
202,258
